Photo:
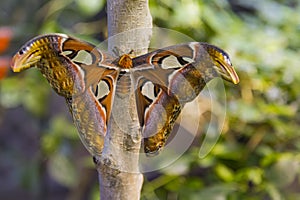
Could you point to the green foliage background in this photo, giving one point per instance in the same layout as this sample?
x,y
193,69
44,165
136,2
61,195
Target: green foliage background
x,y
257,156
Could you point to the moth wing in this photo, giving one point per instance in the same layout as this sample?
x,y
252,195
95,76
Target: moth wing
x,y
74,69
178,74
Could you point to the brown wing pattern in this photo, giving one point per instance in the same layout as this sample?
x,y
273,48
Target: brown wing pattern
x,y
55,56
197,63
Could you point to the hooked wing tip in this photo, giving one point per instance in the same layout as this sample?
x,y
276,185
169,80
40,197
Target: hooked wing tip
x,y
22,62
151,152
15,65
222,64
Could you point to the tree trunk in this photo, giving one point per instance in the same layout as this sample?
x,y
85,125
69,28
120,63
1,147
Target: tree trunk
x,y
129,29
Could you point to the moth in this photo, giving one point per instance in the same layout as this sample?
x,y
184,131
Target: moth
x,y
81,83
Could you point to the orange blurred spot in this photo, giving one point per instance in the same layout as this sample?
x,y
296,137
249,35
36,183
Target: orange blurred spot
x,y
5,37
4,65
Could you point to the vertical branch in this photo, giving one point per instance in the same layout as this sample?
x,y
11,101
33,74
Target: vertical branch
x,y
132,18
129,28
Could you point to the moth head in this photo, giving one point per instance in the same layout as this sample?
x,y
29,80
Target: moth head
x,y
125,61
222,63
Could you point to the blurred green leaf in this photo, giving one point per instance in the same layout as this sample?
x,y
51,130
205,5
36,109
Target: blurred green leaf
x,y
210,193
10,92
90,7
225,173
61,126
62,170
59,129
284,170
255,175
274,192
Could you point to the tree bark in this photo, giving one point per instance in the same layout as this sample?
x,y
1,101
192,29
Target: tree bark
x,y
129,29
